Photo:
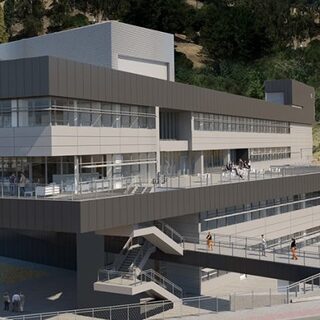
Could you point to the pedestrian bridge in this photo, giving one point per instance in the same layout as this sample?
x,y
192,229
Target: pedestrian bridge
x,y
243,255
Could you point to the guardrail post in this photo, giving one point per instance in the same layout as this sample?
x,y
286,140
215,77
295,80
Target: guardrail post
x,y
128,313
304,287
287,295
274,258
199,306
296,291
252,299
312,284
232,248
270,298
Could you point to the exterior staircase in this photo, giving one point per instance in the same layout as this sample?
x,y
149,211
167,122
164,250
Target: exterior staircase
x,y
304,290
128,283
127,275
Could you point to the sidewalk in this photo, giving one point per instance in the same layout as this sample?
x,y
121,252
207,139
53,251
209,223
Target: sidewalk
x,y
302,310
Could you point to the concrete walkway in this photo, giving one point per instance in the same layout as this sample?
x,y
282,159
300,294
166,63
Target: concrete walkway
x,y
310,260
45,288
301,311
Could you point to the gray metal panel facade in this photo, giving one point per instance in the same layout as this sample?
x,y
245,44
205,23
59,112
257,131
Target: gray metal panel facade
x,y
99,214
58,77
160,205
44,215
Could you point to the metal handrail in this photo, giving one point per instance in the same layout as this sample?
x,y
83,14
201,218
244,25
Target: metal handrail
x,y
231,240
170,229
293,285
123,253
151,274
144,276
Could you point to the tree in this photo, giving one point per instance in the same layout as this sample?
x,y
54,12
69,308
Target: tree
x,y
3,30
232,32
61,16
30,13
8,8
102,10
164,15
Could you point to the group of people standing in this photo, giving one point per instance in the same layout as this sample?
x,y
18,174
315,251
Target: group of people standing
x,y
230,166
17,302
17,184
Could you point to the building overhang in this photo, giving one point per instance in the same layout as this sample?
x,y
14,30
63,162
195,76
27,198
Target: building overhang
x,y
114,212
50,76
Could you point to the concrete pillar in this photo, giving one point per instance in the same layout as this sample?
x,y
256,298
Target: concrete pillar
x,y
199,162
76,173
185,276
14,113
157,113
90,258
227,156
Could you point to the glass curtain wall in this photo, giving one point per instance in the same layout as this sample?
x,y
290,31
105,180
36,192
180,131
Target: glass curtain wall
x,y
45,170
216,122
68,112
265,154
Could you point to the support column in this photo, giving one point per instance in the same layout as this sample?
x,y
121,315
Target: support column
x,y
90,258
14,113
76,173
199,162
157,114
227,156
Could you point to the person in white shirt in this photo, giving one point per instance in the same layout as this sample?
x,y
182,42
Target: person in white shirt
x,y
263,245
15,302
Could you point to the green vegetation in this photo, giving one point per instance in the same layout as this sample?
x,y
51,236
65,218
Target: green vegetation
x,y
3,32
244,41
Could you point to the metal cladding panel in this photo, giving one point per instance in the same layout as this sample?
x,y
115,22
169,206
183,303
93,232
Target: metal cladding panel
x,y
87,81
69,79
100,211
94,85
101,84
44,215
54,76
159,205
62,69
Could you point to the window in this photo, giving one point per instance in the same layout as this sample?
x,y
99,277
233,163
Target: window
x,y
5,114
213,122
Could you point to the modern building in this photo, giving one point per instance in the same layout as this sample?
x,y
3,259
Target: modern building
x,y
99,145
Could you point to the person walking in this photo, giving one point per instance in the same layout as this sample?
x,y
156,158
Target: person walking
x,y
263,245
209,241
293,248
6,301
22,300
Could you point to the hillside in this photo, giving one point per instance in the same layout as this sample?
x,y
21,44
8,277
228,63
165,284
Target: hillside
x,y
229,45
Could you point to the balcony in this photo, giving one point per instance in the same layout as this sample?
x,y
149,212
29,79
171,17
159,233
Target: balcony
x,y
129,186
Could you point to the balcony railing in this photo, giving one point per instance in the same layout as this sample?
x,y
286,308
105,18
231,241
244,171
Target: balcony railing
x,y
128,186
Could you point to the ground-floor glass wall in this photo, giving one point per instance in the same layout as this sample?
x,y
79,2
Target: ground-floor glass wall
x,y
61,170
189,162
